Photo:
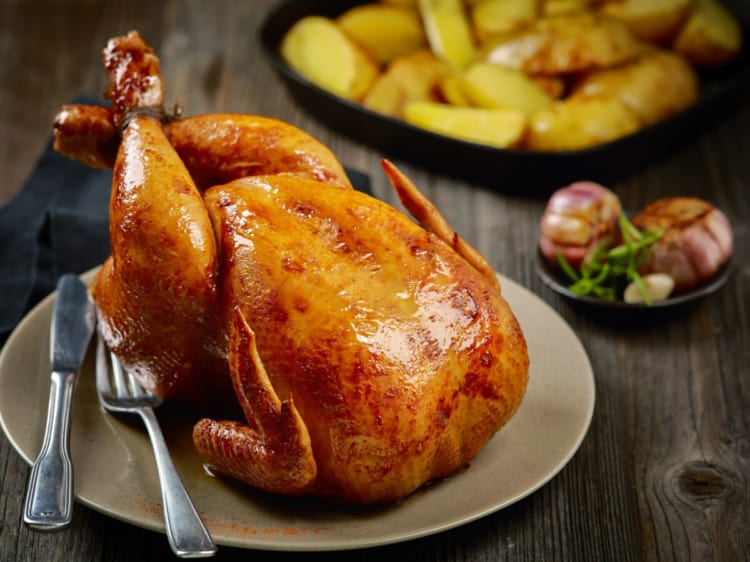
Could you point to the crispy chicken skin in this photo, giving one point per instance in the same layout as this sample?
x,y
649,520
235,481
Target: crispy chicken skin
x,y
368,353
215,148
399,358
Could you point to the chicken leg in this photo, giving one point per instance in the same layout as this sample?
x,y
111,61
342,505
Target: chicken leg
x,y
162,272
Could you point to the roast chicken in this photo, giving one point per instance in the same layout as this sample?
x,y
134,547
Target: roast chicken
x,y
366,353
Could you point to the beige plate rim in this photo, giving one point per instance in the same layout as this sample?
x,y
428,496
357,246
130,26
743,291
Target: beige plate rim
x,y
115,472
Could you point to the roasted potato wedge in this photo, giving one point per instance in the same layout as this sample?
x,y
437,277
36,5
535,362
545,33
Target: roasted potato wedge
x,y
501,128
492,86
653,20
452,91
321,52
491,18
576,124
711,36
448,30
582,72
412,77
387,96
655,86
566,44
386,32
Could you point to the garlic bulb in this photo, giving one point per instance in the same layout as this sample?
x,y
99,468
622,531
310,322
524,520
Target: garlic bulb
x,y
696,240
577,219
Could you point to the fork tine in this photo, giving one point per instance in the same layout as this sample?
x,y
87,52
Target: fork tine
x,y
135,386
102,369
126,382
118,376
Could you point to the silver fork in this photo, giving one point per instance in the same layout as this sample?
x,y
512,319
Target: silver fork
x,y
120,392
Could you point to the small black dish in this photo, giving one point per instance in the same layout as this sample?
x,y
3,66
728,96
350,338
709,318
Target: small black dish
x,y
520,172
558,282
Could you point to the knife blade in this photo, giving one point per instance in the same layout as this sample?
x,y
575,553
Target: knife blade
x,y
49,496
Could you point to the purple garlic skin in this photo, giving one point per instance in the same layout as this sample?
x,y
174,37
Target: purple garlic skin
x,y
576,220
696,240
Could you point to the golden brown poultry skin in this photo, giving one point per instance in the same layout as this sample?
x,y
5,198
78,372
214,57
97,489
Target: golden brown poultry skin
x,y
368,353
215,148
218,148
400,359
158,290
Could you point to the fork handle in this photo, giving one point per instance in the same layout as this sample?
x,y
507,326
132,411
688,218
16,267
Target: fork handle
x,y
49,497
186,532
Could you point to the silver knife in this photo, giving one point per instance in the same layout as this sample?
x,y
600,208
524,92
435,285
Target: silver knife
x,y
49,497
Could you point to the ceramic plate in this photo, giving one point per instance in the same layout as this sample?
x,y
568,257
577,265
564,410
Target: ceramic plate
x,y
115,472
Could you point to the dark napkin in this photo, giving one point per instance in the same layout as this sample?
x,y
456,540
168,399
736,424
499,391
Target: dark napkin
x,y
58,224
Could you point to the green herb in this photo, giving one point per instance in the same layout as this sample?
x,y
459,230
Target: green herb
x,y
609,269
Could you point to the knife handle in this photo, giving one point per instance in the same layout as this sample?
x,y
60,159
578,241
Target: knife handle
x,y
49,496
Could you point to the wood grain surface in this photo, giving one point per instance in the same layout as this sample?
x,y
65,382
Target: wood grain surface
x,y
664,471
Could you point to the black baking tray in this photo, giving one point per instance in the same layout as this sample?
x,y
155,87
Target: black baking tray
x,y
507,170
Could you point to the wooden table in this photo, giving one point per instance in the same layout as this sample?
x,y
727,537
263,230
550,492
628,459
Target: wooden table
x,y
664,471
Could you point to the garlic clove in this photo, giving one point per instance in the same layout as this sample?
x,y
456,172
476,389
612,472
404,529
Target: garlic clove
x,y
658,285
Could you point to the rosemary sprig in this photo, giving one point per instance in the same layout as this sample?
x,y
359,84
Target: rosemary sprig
x,y
608,269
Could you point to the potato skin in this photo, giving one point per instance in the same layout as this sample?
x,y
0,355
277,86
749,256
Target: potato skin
x,y
655,86
412,77
491,18
502,128
578,124
711,36
386,32
348,71
656,21
449,31
493,86
565,44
